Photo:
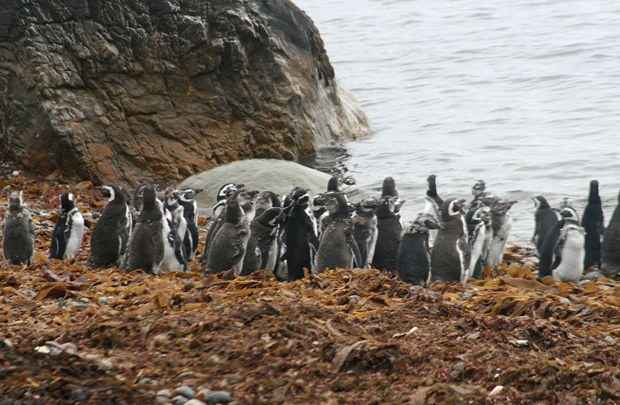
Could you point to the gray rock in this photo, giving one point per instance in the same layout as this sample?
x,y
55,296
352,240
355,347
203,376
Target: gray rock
x,y
185,391
164,393
194,402
218,397
108,89
179,400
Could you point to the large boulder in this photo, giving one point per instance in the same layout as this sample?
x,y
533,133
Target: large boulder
x,y
138,90
279,176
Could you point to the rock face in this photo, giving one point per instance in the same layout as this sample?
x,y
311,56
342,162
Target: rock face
x,y
135,90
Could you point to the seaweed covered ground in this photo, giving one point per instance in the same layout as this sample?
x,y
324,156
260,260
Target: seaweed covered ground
x,y
69,334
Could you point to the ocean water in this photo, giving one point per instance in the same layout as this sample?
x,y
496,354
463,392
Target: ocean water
x,y
522,94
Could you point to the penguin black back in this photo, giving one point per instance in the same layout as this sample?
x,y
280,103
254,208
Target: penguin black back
x,y
18,232
298,234
594,224
389,233
111,234
414,261
549,255
611,244
62,228
545,220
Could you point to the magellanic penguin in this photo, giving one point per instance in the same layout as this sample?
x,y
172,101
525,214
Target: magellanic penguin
x,y
611,245
365,230
228,247
479,229
414,253
18,232
570,253
450,254
389,228
432,205
337,246
502,226
108,243
263,241
218,215
149,238
187,199
176,232
550,256
545,220
593,222
69,230
299,236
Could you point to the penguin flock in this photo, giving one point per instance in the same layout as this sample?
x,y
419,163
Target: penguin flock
x,y
450,240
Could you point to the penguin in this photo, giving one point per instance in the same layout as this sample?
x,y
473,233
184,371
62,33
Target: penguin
x,y
18,232
550,257
337,246
177,232
570,253
593,222
545,219
69,230
365,230
187,199
450,254
267,200
149,237
299,239
218,215
414,253
501,226
227,249
108,243
263,241
389,228
479,228
611,245
432,205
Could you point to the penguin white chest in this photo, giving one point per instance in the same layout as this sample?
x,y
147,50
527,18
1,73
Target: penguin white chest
x,y
573,255
75,236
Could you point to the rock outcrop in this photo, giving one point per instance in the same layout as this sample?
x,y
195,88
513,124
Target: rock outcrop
x,y
135,90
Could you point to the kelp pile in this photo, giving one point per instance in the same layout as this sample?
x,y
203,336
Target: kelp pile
x,y
70,334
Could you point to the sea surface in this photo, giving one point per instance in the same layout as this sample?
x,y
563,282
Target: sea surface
x,y
522,94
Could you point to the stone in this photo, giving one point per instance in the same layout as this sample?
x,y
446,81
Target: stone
x,y
179,400
218,397
128,91
279,176
164,393
186,391
194,402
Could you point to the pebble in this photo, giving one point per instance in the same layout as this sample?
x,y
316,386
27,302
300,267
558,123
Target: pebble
x,y
194,402
354,299
104,301
610,340
185,391
179,400
565,301
146,381
164,393
162,400
6,344
496,391
218,397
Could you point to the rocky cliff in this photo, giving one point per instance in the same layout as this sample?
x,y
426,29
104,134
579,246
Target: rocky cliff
x,y
130,90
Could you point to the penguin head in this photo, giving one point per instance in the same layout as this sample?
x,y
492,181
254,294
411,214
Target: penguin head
x,y
149,197
299,197
246,199
481,215
333,184
540,202
594,197
478,189
16,200
422,224
367,207
569,213
389,206
501,207
452,208
227,190
265,201
188,194
113,193
67,202
388,189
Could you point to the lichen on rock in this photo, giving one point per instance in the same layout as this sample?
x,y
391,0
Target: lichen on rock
x,y
135,90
